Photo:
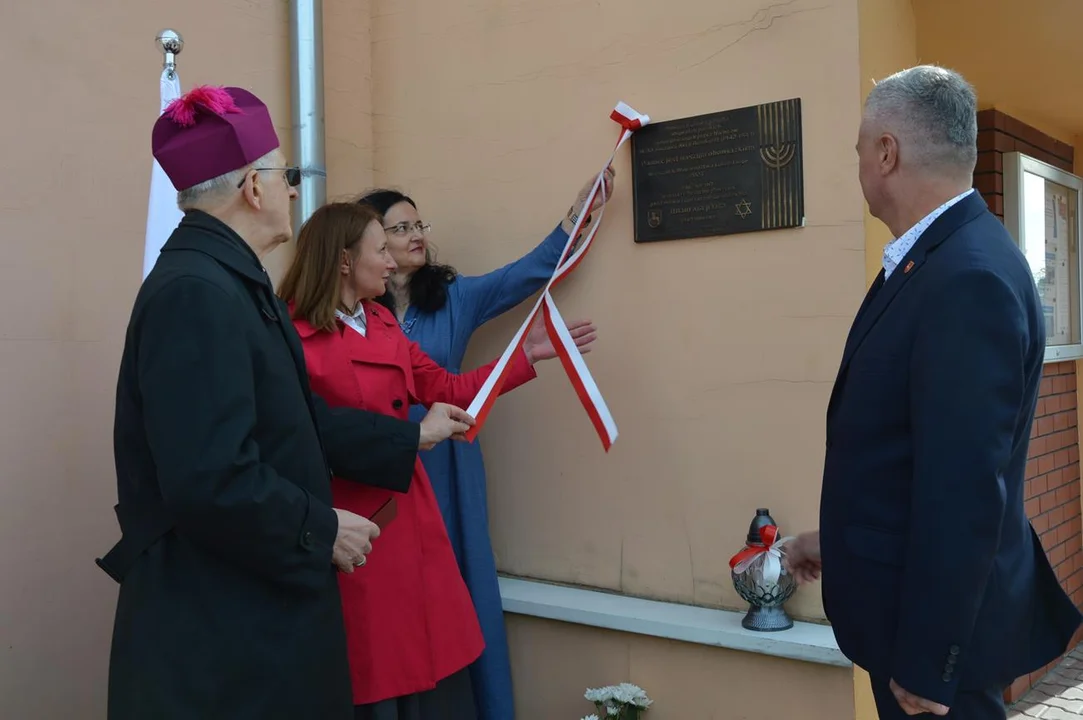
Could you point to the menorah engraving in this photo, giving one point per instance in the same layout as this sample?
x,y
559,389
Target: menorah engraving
x,y
778,155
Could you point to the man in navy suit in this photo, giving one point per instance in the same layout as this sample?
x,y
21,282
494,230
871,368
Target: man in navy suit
x,y
933,579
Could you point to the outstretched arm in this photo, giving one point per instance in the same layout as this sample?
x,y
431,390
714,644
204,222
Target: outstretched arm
x,y
368,447
488,296
433,383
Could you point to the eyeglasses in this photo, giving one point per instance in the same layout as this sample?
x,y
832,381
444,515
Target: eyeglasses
x,y
404,228
292,175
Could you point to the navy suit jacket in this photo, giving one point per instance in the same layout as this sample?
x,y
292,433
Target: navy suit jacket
x,y
932,574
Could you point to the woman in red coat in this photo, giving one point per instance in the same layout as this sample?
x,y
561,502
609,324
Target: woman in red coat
x,y
411,628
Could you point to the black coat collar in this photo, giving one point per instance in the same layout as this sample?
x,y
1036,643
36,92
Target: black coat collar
x,y
963,212
207,234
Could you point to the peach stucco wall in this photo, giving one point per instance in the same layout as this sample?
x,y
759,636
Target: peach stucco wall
x,y
81,92
553,661
716,356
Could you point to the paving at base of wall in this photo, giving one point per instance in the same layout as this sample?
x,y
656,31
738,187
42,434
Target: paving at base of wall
x,y
1057,696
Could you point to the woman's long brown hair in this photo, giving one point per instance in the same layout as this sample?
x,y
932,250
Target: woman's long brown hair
x,y
313,282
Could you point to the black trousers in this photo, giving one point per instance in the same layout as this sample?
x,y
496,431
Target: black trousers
x,y
981,705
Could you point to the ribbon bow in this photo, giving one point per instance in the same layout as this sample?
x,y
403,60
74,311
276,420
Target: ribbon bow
x,y
770,548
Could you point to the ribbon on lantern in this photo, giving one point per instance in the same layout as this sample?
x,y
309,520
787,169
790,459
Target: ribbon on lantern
x,y
570,357
770,551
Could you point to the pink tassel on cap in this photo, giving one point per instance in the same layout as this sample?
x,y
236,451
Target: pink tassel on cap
x,y
217,100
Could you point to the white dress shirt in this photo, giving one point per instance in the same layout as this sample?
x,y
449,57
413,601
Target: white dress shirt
x,y
896,249
357,321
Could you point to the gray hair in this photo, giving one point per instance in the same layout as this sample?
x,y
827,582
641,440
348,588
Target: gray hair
x,y
210,190
933,113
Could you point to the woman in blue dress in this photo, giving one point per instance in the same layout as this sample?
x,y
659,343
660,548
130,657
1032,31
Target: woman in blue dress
x,y
440,310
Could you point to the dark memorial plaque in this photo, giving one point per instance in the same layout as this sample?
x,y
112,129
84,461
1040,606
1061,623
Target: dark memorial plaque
x,y
718,174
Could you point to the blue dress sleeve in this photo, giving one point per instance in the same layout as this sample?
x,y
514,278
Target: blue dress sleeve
x,y
484,297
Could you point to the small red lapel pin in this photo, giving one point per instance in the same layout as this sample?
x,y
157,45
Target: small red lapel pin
x,y
909,267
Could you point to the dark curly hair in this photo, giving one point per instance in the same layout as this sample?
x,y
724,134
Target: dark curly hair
x,y
428,285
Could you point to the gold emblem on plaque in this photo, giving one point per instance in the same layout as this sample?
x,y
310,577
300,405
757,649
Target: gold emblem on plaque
x,y
779,125
654,218
744,209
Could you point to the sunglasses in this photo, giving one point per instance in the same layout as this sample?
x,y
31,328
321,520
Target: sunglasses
x,y
292,175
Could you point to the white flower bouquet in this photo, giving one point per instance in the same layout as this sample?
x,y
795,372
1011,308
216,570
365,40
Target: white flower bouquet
x,y
618,702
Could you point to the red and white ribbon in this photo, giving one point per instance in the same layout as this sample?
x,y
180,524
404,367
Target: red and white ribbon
x,y
769,549
570,357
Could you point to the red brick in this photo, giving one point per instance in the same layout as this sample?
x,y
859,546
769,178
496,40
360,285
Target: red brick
x,y
1018,689
1039,521
1045,425
1056,515
1072,470
1041,484
1029,134
1045,464
1060,421
1062,494
1073,453
1046,387
1073,414
1063,439
1062,458
1034,508
1038,446
1057,478
1075,582
989,183
1043,155
1071,383
990,162
1056,555
991,118
993,140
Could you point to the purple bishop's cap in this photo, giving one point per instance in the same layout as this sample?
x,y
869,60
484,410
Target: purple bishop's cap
x,y
211,131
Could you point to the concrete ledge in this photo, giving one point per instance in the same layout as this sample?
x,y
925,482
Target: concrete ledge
x,y
719,628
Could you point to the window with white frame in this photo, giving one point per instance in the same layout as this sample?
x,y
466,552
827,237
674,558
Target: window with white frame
x,y
1042,211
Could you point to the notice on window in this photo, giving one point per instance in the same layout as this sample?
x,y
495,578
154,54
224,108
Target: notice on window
x,y
1057,298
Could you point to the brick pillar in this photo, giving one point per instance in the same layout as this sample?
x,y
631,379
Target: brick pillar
x,y
1052,491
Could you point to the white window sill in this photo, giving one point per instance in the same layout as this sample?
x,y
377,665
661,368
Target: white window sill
x,y
808,642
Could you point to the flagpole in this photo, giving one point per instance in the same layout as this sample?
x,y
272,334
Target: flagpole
x,y
162,212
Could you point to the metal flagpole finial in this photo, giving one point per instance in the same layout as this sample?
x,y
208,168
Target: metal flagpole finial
x,y
170,43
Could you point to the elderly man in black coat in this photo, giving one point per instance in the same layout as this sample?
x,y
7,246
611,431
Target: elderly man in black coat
x,y
229,605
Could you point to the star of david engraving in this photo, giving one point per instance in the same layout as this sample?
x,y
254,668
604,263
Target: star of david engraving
x,y
744,209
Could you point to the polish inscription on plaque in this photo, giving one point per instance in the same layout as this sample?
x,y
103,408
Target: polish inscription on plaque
x,y
718,174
